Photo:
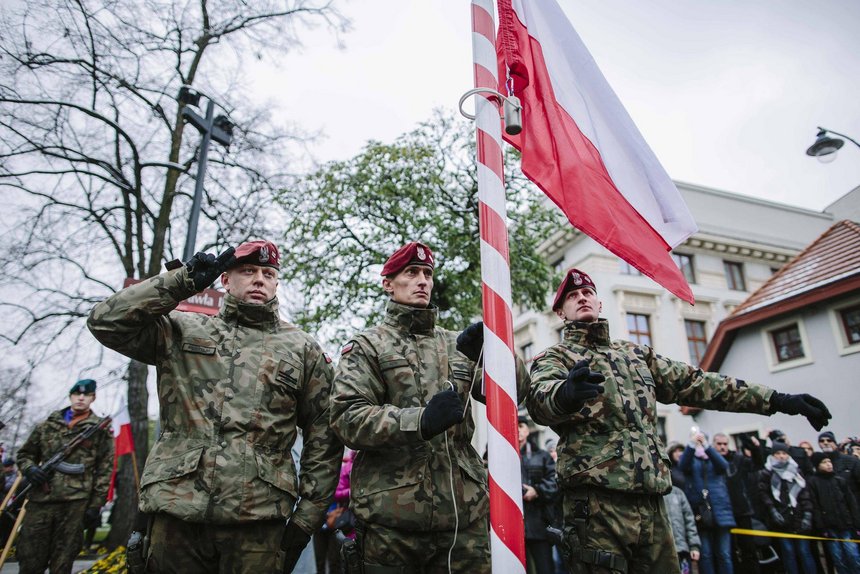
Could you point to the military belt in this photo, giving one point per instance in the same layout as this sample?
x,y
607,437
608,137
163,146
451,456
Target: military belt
x,y
603,559
380,569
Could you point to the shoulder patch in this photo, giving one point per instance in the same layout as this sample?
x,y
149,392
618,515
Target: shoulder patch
x,y
327,358
346,348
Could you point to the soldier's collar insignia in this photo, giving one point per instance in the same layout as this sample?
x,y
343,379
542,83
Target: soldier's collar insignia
x,y
327,358
347,348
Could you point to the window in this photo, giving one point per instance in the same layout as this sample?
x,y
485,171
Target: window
x,y
627,269
638,329
735,275
527,352
685,264
696,340
558,266
851,324
787,343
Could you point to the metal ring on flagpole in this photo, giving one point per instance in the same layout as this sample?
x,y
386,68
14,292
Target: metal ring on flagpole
x,y
474,91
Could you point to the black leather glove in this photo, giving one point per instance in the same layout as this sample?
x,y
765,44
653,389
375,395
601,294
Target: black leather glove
x,y
814,410
292,544
582,385
806,522
204,268
36,475
470,341
777,517
445,409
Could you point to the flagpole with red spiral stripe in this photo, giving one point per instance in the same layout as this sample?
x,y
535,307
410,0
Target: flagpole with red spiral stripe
x,y
507,536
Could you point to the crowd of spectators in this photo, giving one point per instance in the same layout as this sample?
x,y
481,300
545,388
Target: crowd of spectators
x,y
785,499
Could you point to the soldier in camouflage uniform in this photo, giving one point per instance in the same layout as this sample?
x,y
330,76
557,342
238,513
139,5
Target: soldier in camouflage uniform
x,y
399,396
51,532
600,397
233,390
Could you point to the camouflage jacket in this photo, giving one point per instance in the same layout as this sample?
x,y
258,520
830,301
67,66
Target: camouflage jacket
x,y
612,441
385,377
233,389
96,454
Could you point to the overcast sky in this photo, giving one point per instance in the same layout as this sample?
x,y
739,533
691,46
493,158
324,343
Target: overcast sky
x,y
727,93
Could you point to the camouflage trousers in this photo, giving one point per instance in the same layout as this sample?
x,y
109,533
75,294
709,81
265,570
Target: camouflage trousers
x,y
51,536
617,532
179,547
388,550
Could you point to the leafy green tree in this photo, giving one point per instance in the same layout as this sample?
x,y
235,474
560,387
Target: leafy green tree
x,y
349,216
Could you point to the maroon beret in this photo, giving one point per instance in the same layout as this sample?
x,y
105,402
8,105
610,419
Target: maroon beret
x,y
575,279
413,253
262,253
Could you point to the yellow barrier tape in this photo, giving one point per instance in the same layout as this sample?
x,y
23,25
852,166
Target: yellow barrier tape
x,y
767,534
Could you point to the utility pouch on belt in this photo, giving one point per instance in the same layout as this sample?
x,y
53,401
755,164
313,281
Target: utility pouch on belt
x,y
135,558
349,554
138,544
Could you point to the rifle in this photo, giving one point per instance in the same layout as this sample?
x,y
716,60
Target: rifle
x,y
56,461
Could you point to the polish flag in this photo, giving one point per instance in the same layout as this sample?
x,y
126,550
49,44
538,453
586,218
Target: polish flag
x,y
582,149
122,441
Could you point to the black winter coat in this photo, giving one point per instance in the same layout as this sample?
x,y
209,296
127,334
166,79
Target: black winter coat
x,y
793,515
833,505
741,469
848,467
537,469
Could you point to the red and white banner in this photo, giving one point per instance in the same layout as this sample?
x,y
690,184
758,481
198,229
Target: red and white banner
x,y
121,427
123,442
581,147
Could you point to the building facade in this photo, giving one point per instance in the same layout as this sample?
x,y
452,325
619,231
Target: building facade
x,y
799,333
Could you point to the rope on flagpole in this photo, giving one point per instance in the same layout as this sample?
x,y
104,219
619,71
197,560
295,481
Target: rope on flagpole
x,y
507,536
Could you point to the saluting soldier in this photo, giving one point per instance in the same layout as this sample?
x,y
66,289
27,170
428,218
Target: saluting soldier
x,y
418,487
234,389
51,532
600,396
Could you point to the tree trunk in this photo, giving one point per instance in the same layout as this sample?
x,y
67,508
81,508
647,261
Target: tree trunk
x,y
125,508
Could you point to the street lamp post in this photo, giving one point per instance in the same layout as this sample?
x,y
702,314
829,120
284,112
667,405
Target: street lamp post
x,y
211,127
825,147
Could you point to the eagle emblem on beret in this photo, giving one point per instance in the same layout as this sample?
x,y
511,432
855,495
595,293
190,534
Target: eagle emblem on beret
x,y
577,278
264,254
422,255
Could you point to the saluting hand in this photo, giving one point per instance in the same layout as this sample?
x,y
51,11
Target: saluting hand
x,y
204,268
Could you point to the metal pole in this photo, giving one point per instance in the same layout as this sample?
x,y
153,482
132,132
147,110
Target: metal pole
x,y
191,237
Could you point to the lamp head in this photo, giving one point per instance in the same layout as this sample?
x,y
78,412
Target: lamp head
x,y
825,147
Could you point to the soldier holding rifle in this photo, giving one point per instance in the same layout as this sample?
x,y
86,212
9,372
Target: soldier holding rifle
x,y
67,489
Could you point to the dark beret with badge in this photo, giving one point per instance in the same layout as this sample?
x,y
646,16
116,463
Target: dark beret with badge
x,y
84,386
573,279
412,253
262,253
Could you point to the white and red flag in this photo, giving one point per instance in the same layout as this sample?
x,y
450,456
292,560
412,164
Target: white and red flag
x,y
582,149
123,442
